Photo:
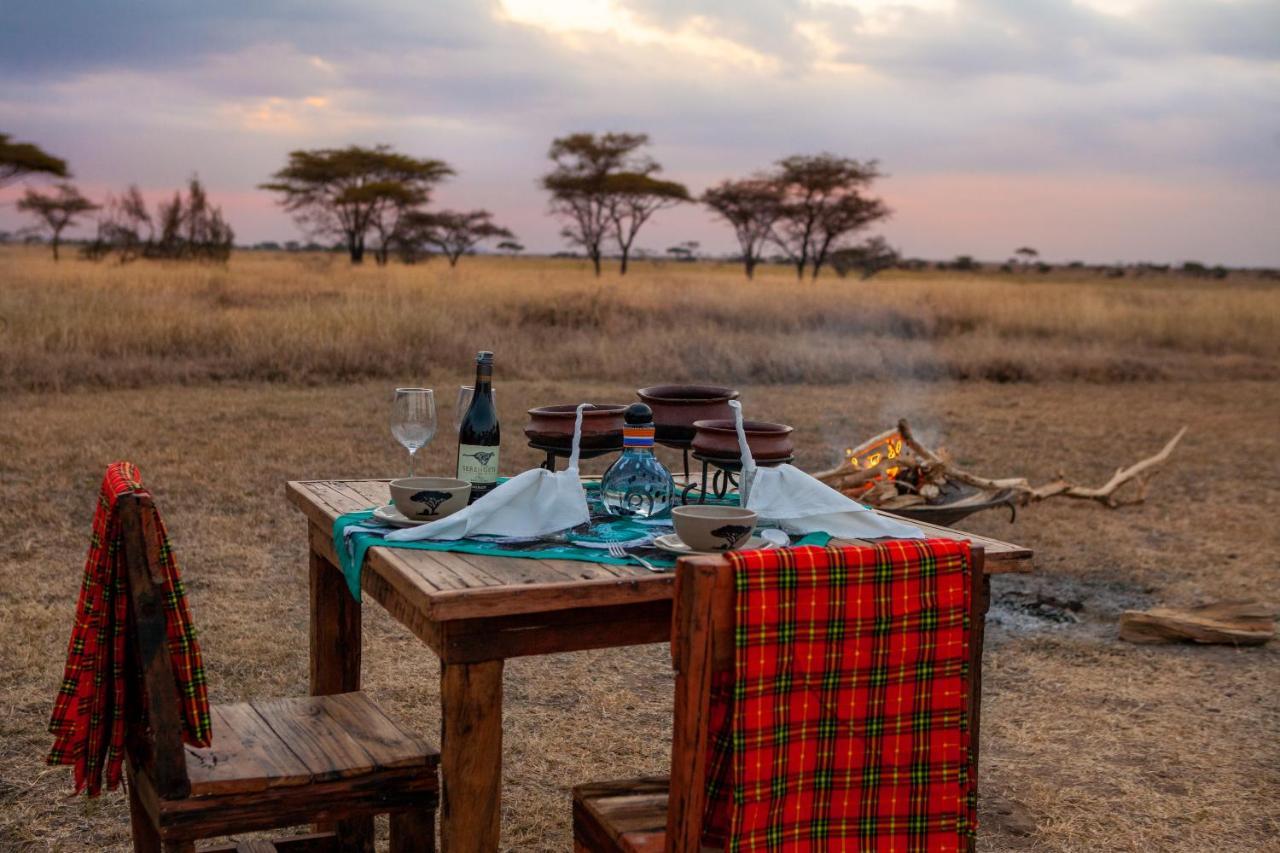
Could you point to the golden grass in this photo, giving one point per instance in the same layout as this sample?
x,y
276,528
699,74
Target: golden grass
x,y
315,318
1110,747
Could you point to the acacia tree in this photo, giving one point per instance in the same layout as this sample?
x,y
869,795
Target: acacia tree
x,y
869,257
19,159
344,192
602,187
55,211
454,233
631,198
822,203
751,206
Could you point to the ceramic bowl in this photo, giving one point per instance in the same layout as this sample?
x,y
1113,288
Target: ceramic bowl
x,y
713,528
676,407
552,426
429,498
719,439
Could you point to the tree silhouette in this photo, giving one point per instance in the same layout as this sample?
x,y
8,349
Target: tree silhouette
x,y
19,159
345,192
603,188
55,211
186,228
1026,254
453,233
751,206
633,197
868,258
822,202
511,247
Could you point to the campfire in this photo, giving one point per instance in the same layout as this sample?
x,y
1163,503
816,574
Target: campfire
x,y
896,472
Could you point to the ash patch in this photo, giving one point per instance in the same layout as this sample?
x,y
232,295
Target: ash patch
x,y
1026,604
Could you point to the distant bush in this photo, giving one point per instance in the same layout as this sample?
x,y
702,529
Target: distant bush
x,y
183,229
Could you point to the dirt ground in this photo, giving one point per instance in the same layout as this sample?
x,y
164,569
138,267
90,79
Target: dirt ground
x,y
1089,744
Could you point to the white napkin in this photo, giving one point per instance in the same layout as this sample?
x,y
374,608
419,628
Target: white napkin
x,y
799,504
534,503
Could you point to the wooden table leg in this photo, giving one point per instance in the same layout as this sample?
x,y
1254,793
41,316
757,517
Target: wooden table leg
x,y
470,756
335,631
335,666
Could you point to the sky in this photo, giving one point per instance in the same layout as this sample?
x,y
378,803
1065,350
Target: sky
x,y
1097,130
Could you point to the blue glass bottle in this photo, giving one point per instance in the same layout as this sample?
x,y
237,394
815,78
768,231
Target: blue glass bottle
x,y
637,484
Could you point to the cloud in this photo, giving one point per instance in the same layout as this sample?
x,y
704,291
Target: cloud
x,y
1171,93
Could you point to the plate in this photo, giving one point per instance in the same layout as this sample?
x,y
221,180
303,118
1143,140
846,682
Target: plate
x,y
675,545
390,515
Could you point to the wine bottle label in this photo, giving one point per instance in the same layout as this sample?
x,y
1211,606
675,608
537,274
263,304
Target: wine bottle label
x,y
478,463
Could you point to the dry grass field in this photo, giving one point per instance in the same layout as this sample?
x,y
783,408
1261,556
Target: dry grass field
x,y
223,383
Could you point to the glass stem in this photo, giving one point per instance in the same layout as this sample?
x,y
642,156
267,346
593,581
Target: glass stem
x,y
412,451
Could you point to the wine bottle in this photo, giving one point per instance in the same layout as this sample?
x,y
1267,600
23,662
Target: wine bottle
x,y
478,437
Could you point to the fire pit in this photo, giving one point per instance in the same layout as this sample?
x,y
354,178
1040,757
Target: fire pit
x,y
894,471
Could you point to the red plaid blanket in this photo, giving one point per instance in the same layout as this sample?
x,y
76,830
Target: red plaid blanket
x,y
88,721
845,725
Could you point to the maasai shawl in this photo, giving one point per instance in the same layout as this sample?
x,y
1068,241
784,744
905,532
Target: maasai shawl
x,y
844,725
89,714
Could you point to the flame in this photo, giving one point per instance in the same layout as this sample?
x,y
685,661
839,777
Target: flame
x,y
871,453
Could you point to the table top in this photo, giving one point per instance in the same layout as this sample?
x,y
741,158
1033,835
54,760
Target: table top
x,y
446,585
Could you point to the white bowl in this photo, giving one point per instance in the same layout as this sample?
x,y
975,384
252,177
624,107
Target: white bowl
x,y
711,527
429,498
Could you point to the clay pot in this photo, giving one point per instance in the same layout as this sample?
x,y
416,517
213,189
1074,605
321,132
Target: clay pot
x,y
677,407
552,426
719,439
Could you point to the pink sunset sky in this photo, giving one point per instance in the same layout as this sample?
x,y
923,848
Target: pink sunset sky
x,y
1098,130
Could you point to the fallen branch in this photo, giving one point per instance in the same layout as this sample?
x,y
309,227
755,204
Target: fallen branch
x,y
1105,494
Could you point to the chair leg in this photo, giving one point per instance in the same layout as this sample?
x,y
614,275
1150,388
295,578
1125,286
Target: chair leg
x,y
414,830
146,837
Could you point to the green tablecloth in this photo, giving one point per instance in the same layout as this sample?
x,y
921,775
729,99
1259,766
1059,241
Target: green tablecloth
x,y
574,544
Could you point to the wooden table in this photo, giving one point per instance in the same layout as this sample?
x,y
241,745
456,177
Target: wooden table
x,y
475,612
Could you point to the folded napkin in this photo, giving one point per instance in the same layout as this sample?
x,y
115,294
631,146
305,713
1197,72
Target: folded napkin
x,y
534,503
791,499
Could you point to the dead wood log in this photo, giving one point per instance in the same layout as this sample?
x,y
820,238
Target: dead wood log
x,y
1240,623
1105,494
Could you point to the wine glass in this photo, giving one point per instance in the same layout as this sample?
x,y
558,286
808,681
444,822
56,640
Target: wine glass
x,y
465,393
413,419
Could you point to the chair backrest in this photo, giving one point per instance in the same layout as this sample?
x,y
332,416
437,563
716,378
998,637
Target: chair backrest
x,y
156,746
702,645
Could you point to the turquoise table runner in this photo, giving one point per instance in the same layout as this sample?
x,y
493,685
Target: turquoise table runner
x,y
601,530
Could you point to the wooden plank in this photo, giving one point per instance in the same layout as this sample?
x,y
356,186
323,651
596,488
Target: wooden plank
x,y
413,831
471,756
387,743
351,801
335,631
475,640
533,598
328,751
996,549
323,842
246,755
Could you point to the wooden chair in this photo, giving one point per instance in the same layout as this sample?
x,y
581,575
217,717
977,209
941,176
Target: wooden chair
x,y
663,814
333,760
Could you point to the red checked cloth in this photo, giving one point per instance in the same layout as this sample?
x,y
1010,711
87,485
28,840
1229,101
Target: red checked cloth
x,y
845,725
88,721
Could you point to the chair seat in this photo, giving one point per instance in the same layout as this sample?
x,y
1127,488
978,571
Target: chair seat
x,y
282,743
629,815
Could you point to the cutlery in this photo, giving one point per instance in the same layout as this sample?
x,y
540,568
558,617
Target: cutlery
x,y
616,550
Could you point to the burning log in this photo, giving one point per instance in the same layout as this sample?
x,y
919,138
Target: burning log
x,y
895,470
